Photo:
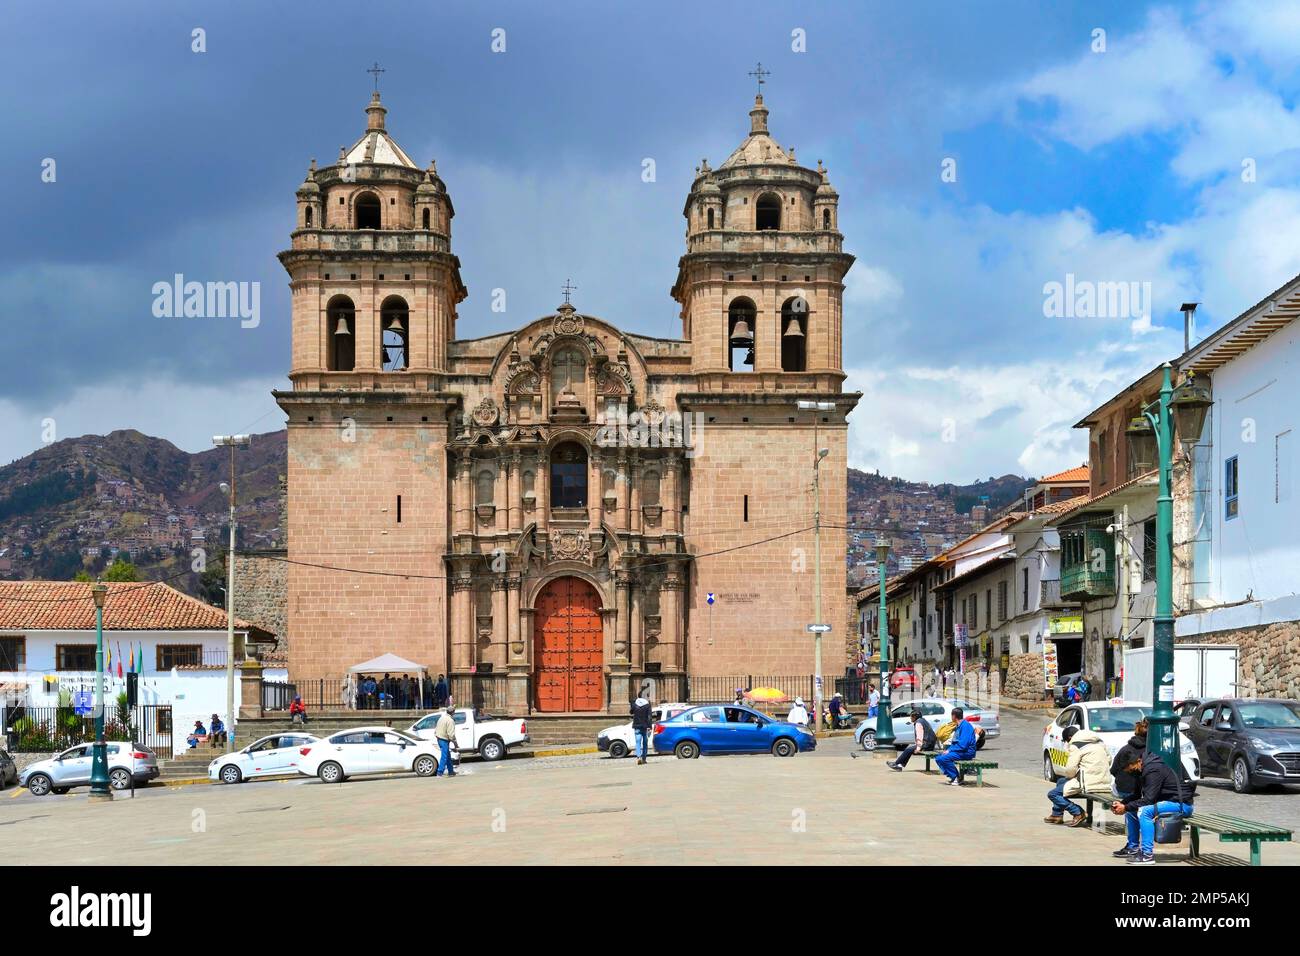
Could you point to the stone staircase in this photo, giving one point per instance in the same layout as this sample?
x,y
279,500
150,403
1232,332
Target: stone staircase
x,y
191,764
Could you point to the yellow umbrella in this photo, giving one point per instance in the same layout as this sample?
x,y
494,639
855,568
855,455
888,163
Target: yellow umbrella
x,y
769,695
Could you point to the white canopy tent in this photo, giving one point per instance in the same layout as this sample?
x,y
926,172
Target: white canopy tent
x,y
387,664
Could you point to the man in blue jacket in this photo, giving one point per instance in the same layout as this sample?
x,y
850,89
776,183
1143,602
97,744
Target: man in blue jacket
x,y
962,747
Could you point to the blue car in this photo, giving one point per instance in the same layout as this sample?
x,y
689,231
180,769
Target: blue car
x,y
729,730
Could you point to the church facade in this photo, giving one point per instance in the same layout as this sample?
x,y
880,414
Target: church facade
x,y
543,513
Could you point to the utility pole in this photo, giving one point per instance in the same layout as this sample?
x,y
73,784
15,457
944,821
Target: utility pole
x,y
819,454
233,442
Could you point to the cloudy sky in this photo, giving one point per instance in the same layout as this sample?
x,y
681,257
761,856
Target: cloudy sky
x,y
981,153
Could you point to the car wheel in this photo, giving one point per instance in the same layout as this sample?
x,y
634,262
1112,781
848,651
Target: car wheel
x,y
492,749
784,748
60,791
330,772
230,774
1049,770
1241,776
618,749
868,740
119,779
38,784
425,765
687,750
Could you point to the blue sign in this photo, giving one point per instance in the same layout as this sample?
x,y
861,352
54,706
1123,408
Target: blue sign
x,y
82,703
710,597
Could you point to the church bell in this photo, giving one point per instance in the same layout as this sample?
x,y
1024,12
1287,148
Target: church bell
x,y
749,357
792,329
342,327
741,336
394,324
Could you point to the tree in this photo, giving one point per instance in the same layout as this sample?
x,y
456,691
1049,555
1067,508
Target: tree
x,y
84,576
121,570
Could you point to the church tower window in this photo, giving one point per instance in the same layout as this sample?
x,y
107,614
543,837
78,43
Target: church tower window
x,y
741,315
794,335
367,210
767,212
710,217
309,215
569,476
341,332
826,218
425,217
394,318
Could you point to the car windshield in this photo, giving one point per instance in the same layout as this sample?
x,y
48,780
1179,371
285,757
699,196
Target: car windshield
x,y
1109,720
1269,714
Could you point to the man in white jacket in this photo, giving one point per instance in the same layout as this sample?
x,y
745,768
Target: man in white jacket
x,y
798,713
1086,770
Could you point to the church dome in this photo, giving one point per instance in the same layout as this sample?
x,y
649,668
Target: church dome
x,y
759,147
309,186
375,145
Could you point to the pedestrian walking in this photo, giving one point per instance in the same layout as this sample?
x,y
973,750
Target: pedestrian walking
x,y
445,733
873,701
798,713
641,724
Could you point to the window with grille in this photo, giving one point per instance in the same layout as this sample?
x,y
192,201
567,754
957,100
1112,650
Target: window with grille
x,y
177,655
13,653
74,657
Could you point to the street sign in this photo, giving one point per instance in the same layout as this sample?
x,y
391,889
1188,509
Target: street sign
x,y
710,598
819,628
82,703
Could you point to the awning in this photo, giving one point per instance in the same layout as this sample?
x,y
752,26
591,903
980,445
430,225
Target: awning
x,y
387,664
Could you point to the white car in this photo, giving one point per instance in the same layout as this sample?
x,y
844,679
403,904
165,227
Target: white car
x,y
1113,722
271,756
72,768
489,737
935,711
362,750
619,740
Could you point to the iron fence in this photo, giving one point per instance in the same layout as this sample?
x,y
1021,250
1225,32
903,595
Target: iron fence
x,y
277,696
481,691
720,690
49,729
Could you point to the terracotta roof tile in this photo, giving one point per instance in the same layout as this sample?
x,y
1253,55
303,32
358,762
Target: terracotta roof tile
x,y
1081,473
133,606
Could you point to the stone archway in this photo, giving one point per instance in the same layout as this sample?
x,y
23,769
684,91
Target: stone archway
x,y
568,648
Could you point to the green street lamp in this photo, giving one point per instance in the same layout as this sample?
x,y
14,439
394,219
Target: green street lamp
x,y
1151,438
884,722
99,788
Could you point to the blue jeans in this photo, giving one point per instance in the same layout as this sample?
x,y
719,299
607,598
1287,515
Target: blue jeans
x,y
1059,802
1142,825
905,756
642,738
947,762
444,758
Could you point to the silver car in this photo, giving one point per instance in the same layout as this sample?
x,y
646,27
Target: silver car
x,y
62,772
935,711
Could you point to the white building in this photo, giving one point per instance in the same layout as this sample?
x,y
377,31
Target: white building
x,y
47,650
1244,509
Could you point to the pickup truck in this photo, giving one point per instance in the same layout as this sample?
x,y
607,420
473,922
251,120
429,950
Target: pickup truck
x,y
476,732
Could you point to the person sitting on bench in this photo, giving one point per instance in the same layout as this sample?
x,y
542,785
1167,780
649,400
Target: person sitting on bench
x,y
1164,791
962,748
839,716
1086,771
924,740
199,733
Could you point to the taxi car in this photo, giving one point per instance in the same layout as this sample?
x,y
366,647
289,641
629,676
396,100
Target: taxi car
x,y
1112,721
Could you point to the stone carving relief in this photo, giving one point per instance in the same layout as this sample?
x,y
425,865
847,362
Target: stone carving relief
x,y
485,414
570,546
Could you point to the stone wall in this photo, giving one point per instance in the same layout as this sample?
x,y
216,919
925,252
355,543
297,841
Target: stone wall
x,y
1268,659
1025,677
261,592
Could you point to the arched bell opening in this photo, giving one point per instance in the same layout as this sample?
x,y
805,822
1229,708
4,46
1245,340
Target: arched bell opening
x,y
741,316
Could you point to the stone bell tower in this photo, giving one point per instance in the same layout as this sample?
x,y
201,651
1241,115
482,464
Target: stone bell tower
x,y
761,283
374,289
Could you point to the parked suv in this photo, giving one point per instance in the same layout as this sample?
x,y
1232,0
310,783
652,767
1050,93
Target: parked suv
x,y
1251,742
62,772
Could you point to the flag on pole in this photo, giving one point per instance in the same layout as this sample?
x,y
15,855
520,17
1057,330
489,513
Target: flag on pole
x,y
108,659
119,661
139,668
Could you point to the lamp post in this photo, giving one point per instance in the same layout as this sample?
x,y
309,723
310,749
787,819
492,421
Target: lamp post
x,y
884,722
817,560
1186,405
233,442
99,788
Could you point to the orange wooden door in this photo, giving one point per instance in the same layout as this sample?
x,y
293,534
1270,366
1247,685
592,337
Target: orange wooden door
x,y
569,645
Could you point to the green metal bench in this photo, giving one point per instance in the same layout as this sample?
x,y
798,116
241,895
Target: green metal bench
x,y
964,767
1235,830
